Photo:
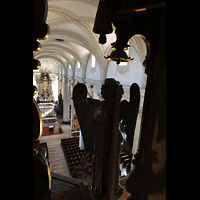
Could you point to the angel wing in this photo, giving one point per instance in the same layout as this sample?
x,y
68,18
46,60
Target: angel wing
x,y
129,112
90,114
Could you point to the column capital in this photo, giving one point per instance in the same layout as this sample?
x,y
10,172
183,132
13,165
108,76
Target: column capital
x,y
70,79
77,79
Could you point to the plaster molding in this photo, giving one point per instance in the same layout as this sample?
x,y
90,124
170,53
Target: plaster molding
x,y
54,48
45,56
72,17
88,2
78,69
95,47
93,82
77,79
70,78
80,40
123,69
136,43
93,69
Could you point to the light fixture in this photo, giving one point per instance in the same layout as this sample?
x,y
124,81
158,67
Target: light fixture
x,y
119,55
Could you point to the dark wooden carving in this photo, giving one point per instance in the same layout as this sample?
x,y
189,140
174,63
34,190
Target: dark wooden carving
x,y
67,188
131,18
147,18
41,30
148,177
129,112
41,166
96,122
102,25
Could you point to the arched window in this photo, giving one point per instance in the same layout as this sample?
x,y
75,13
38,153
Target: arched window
x,y
93,62
78,65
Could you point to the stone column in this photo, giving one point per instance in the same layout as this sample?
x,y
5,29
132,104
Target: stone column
x,y
59,83
72,103
72,109
68,87
58,86
64,91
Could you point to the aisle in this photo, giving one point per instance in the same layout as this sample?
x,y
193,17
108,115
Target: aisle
x,y
56,156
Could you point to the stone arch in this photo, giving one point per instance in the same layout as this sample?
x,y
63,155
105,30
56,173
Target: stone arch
x,y
45,55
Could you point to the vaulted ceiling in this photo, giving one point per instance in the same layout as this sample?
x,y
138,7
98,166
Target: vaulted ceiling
x,y
71,37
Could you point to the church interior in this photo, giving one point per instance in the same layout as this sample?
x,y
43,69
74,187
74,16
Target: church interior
x,y
72,53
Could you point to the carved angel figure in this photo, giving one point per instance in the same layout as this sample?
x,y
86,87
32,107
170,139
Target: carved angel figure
x,y
96,121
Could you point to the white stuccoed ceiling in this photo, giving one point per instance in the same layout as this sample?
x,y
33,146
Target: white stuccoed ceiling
x,y
72,21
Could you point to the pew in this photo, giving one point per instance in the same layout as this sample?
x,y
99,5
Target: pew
x,y
73,155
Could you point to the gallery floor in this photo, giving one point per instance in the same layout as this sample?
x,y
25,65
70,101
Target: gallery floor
x,y
56,156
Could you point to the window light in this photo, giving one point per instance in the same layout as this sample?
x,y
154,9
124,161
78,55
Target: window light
x,y
79,65
93,62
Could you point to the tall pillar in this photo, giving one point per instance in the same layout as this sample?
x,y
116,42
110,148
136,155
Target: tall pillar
x,y
64,91
59,83
68,87
72,103
58,86
66,99
50,88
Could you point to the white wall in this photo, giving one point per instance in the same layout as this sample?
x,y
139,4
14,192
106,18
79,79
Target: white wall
x,y
55,86
92,73
78,71
70,71
133,72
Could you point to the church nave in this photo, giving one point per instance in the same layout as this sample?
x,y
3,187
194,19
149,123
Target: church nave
x,y
56,156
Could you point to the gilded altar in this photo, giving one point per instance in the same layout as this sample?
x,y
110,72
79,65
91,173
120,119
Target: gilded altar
x,y
45,92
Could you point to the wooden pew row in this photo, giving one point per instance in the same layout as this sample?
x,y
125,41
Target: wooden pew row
x,y
72,153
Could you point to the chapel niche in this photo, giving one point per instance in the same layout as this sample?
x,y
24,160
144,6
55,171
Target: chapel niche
x,y
45,92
